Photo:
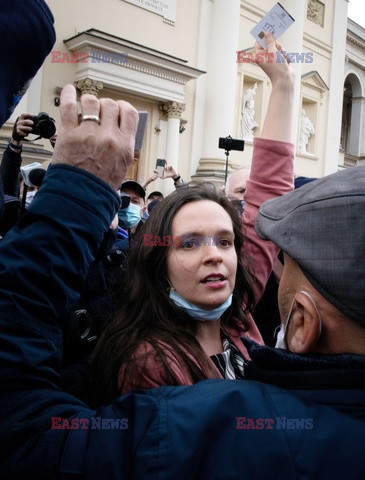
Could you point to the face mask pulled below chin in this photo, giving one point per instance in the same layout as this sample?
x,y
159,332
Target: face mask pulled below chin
x,y
280,340
197,312
129,216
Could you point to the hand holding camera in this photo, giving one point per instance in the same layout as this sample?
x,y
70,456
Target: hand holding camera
x,y
42,125
22,127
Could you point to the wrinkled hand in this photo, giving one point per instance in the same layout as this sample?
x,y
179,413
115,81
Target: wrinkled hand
x,y
106,149
277,71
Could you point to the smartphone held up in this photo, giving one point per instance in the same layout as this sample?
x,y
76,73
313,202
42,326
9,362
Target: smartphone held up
x,y
160,167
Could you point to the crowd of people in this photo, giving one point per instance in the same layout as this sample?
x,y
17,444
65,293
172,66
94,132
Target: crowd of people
x,y
129,347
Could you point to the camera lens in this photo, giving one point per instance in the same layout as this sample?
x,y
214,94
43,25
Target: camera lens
x,y
44,125
46,128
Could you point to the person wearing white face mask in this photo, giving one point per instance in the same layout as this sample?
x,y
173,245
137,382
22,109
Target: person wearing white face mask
x,y
282,330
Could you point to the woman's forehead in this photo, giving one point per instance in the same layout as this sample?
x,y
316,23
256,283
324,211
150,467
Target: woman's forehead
x,y
201,215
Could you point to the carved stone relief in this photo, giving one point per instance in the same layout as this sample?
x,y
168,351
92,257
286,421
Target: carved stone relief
x,y
315,12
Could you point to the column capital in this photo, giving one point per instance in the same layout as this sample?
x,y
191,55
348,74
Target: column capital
x,y
87,85
172,109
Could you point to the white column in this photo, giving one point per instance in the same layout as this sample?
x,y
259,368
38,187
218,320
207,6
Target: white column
x,y
173,111
222,75
362,134
292,41
206,9
354,144
172,142
336,87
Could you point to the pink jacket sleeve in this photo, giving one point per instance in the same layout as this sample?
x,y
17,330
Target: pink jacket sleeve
x,y
271,176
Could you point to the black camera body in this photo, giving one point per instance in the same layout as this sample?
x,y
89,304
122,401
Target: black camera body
x,y
229,143
43,125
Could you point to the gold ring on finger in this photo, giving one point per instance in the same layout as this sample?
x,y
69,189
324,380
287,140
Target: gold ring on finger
x,y
91,118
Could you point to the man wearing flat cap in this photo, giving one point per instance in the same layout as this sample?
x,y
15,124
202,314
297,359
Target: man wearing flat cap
x,y
321,230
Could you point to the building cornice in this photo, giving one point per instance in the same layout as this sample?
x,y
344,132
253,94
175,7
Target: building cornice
x,y
357,42
142,70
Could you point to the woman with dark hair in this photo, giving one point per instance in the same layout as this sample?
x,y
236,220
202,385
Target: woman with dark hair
x,y
189,291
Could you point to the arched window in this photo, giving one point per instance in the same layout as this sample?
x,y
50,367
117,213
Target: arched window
x,y
352,113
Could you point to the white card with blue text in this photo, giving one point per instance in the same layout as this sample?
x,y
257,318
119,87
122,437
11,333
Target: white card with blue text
x,y
277,20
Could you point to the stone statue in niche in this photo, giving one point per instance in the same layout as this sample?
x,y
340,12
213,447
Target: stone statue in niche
x,y
306,130
248,123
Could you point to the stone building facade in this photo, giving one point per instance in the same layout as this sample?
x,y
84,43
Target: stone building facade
x,y
177,60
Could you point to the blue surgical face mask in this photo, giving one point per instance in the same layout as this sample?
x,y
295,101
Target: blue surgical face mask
x,y
197,312
280,339
129,216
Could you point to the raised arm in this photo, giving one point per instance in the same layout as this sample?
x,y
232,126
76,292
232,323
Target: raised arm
x,y
272,162
43,261
278,124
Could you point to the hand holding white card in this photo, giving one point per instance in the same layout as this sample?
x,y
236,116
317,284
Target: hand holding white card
x,y
277,20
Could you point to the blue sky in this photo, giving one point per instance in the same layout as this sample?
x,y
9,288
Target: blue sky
x,y
356,11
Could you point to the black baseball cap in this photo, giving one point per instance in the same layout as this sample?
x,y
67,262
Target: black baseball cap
x,y
321,226
135,186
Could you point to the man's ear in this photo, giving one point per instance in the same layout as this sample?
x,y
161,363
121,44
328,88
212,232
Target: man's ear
x,y
305,325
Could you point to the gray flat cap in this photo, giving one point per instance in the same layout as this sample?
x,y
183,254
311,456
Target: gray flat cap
x,y
321,226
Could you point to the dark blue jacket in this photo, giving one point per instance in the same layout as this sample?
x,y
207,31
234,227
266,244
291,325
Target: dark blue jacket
x,y
175,433
9,181
27,36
